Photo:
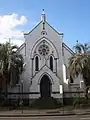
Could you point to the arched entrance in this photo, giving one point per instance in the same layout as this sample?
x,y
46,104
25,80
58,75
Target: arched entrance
x,y
45,87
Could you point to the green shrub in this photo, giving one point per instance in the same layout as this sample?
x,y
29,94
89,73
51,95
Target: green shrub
x,y
79,101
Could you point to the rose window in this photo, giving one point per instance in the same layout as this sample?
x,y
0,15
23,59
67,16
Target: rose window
x,y
43,49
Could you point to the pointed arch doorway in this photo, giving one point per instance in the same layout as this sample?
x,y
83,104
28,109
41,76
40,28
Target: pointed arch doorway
x,y
45,87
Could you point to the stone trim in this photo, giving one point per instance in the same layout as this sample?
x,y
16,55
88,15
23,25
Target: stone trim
x,y
33,28
65,46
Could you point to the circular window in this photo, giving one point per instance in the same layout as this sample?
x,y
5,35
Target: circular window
x,y
43,49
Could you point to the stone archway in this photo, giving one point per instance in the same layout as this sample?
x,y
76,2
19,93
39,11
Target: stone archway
x,y
45,87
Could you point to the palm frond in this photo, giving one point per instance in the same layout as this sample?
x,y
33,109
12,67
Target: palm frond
x,y
80,62
10,59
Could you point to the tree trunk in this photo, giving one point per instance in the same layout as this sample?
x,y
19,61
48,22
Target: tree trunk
x,y
5,86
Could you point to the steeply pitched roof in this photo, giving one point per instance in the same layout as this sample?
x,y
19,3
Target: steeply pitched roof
x,y
54,29
64,45
39,24
21,47
69,49
33,28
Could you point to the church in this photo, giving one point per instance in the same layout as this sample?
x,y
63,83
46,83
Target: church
x,y
46,58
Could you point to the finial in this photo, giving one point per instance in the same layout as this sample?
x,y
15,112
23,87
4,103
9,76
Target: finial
x,y
43,17
77,41
43,11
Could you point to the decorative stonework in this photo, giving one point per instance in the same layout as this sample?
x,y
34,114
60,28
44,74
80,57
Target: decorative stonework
x,y
43,33
43,49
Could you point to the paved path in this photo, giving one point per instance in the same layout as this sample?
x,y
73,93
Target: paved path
x,y
37,113
48,118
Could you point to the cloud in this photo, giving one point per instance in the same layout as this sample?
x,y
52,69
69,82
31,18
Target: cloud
x,y
8,28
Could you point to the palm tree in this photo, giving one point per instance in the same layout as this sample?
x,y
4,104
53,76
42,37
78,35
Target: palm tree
x,y
11,63
80,64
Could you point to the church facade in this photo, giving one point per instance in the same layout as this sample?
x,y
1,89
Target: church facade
x,y
46,59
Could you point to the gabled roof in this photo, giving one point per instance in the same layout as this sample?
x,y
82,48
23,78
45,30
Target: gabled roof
x,y
54,29
33,28
21,47
66,47
46,70
39,24
44,20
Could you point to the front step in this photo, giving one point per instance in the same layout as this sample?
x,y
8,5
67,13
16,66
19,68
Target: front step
x,y
44,103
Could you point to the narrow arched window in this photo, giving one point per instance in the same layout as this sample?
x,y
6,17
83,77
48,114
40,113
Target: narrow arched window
x,y
36,63
51,63
71,79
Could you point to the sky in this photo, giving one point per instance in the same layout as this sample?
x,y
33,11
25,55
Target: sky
x,y
71,17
